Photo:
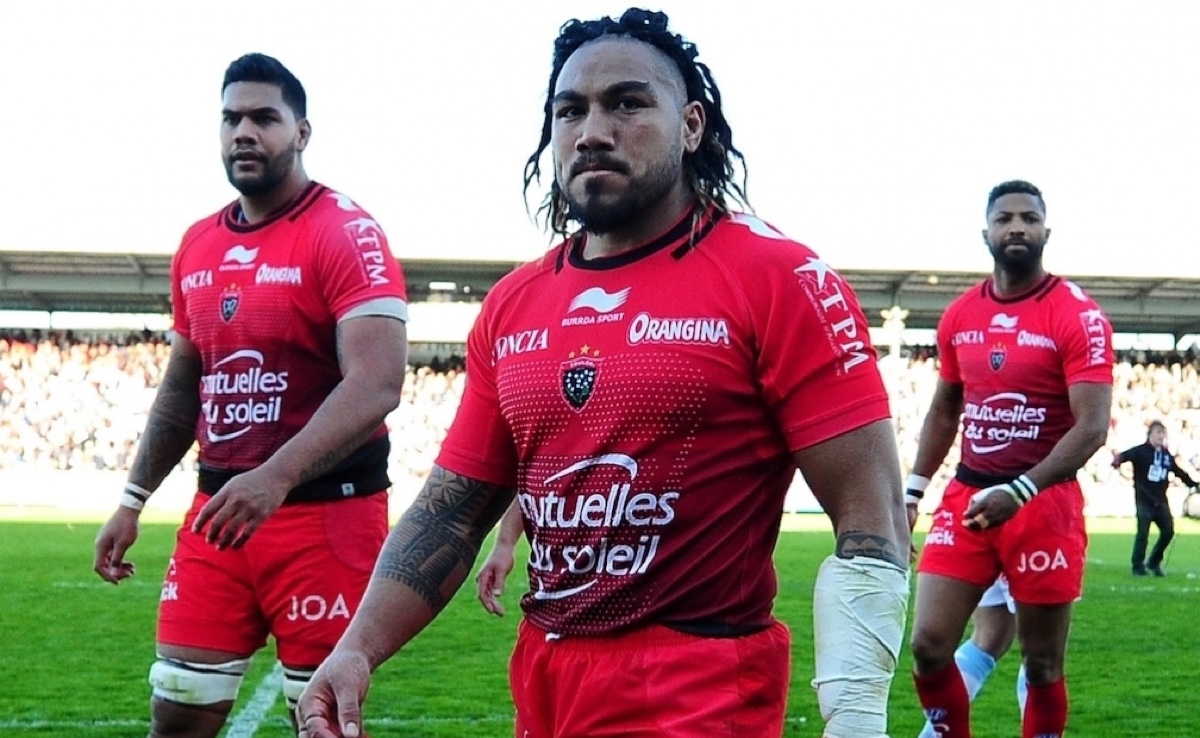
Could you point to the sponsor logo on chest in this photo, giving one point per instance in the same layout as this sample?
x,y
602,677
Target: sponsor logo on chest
x,y
239,258
595,305
522,342
286,275
967,338
644,328
1036,340
196,280
1003,323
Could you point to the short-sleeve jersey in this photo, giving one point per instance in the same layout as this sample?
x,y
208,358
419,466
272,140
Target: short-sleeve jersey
x,y
645,407
1016,358
261,303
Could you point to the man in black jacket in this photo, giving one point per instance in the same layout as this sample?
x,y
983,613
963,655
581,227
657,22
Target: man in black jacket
x,y
1151,464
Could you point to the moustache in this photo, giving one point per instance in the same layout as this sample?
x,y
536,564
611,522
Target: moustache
x,y
246,155
590,162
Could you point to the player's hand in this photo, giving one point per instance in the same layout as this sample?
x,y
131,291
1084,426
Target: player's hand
x,y
331,705
235,512
489,582
990,507
113,542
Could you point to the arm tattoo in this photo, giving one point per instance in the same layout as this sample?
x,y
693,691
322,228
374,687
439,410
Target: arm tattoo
x,y
856,543
434,545
333,456
171,427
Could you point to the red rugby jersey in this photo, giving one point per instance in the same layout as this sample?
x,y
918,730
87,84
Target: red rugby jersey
x,y
261,303
646,407
1015,358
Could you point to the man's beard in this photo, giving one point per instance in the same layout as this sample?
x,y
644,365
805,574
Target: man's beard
x,y
275,170
599,217
1019,264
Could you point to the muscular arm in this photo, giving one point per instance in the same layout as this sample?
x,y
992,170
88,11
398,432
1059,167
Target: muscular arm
x,y
171,428
425,560
511,527
940,428
372,351
856,478
1091,404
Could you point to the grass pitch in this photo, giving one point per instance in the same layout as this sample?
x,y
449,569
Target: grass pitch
x,y
76,649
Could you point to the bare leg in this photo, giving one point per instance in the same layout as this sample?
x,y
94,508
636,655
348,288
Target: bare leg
x,y
943,608
995,630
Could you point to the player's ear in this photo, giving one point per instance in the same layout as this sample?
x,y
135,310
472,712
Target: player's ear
x,y
303,133
693,126
983,233
1047,234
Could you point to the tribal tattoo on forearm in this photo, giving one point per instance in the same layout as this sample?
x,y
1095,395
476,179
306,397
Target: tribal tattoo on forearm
x,y
171,427
856,543
434,545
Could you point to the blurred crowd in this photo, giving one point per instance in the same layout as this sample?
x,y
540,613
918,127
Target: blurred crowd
x,y
69,402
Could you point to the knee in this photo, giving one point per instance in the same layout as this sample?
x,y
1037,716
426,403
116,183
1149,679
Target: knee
x,y
932,651
193,699
1043,669
174,720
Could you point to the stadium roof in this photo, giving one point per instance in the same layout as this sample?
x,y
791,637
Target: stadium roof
x,y
138,283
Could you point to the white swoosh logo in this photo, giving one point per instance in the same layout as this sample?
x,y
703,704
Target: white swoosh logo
x,y
989,449
599,300
560,594
218,437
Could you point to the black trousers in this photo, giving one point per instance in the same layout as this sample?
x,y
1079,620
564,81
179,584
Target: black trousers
x,y
1160,515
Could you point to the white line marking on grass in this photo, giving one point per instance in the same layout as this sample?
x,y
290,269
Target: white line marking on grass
x,y
7,725
247,720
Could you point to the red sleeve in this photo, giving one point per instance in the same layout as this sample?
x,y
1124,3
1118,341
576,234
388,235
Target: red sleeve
x,y
948,370
479,444
356,263
1084,338
815,362
179,318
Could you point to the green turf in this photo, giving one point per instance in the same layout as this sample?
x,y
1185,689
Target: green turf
x,y
75,649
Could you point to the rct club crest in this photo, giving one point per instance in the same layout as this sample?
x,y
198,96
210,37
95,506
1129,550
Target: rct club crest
x,y
996,357
230,298
579,377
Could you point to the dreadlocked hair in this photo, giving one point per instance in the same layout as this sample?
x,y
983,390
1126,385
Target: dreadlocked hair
x,y
709,170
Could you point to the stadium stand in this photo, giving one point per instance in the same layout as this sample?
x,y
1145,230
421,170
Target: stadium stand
x,y
76,401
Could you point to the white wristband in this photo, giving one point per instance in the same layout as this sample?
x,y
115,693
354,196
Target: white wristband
x,y
917,483
914,488
134,497
1023,489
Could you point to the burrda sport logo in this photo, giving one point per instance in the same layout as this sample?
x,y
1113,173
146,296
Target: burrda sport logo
x,y
596,305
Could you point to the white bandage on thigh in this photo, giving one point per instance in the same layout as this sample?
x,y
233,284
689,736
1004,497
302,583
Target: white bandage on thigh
x,y
859,609
190,683
294,682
